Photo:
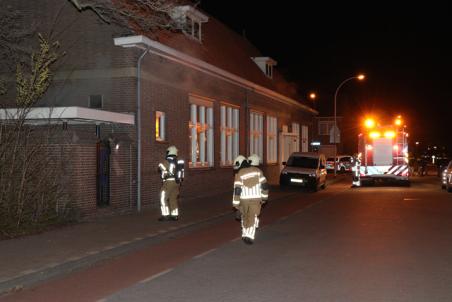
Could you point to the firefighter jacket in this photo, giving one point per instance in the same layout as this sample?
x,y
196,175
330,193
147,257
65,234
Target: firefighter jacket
x,y
172,169
250,184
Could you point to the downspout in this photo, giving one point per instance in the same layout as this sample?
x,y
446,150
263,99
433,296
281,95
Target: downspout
x,y
138,121
247,131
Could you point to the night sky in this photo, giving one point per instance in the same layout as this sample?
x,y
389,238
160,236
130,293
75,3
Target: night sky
x,y
405,52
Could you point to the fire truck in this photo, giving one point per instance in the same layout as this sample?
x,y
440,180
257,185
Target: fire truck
x,y
382,153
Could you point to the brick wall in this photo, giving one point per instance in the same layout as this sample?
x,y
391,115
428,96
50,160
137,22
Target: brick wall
x,y
93,65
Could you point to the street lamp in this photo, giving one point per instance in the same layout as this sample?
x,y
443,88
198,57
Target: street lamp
x,y
360,77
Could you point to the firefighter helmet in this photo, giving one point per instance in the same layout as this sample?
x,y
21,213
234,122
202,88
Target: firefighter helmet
x,y
172,150
254,160
238,162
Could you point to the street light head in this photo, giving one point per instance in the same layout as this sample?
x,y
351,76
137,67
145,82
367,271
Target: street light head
x,y
312,96
361,77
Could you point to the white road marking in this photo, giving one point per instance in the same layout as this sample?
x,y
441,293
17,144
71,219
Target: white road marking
x,y
411,199
203,254
156,275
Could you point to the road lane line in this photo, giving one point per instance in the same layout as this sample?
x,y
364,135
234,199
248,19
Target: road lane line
x,y
411,199
156,275
203,254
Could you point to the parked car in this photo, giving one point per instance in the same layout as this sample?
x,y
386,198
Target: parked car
x,y
446,178
344,163
306,169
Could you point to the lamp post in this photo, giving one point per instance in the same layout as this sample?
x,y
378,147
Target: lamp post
x,y
360,77
313,97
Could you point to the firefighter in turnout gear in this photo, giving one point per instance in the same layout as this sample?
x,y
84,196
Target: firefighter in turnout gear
x,y
172,174
239,163
250,192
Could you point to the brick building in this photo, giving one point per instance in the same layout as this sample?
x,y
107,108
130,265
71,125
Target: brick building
x,y
212,94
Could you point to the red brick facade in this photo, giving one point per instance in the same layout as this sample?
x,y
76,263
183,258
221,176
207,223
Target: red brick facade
x,y
94,66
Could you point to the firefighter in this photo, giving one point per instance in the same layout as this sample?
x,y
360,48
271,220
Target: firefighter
x,y
239,163
250,192
172,175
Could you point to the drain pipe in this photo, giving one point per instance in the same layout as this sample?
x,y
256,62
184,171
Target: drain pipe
x,y
138,122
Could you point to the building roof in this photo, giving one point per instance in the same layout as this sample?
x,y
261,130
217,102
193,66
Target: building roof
x,y
227,50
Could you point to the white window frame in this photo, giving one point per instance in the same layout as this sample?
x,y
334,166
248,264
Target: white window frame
x,y
160,120
229,133
328,125
256,135
272,139
269,70
296,133
304,138
201,133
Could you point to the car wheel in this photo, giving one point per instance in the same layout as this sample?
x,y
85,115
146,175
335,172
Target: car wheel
x,y
449,188
315,186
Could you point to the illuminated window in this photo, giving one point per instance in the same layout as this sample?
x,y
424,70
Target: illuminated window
x,y
256,134
272,138
159,126
229,134
201,132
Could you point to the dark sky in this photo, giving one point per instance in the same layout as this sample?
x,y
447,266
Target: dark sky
x,y
405,52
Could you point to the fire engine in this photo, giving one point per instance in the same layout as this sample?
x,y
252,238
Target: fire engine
x,y
382,153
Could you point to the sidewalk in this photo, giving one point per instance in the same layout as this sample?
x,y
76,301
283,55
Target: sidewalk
x,y
25,261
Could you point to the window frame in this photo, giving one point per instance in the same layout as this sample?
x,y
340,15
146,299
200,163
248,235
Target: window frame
x,y
229,133
160,130
201,114
272,139
256,131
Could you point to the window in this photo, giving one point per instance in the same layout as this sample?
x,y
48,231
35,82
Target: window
x,y
256,134
159,126
189,19
272,139
325,127
194,28
229,134
304,138
95,101
269,70
201,132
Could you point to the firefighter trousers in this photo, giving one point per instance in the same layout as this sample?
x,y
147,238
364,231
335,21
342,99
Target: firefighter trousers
x,y
168,198
250,210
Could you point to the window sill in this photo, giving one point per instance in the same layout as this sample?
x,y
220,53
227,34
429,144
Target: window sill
x,y
190,166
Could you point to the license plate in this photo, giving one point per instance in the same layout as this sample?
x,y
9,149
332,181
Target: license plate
x,y
296,180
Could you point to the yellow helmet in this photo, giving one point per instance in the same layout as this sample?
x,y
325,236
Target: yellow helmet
x,y
254,159
172,150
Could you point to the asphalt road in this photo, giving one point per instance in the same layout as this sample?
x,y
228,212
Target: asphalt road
x,y
341,244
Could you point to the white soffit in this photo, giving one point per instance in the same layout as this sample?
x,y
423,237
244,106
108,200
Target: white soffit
x,y
70,114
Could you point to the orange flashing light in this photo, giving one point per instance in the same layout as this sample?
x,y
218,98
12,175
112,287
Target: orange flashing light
x,y
374,134
389,134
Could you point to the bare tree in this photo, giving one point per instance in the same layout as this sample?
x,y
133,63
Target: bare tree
x,y
140,15
31,191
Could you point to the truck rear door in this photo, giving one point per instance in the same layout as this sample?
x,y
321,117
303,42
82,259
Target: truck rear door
x,y
382,155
